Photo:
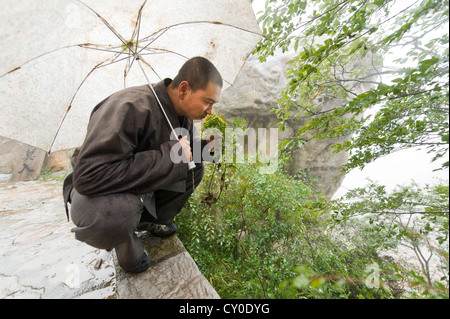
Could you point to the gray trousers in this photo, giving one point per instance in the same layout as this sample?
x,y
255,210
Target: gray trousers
x,y
110,221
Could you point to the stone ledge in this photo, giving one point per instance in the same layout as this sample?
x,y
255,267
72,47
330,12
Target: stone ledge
x,y
172,275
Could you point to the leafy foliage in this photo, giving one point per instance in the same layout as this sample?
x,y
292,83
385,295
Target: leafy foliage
x,y
340,47
257,235
237,240
412,218
273,236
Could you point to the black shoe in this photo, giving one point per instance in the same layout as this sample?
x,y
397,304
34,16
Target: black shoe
x,y
162,230
142,265
143,226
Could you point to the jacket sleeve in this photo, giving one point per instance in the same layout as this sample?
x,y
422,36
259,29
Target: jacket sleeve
x,y
108,162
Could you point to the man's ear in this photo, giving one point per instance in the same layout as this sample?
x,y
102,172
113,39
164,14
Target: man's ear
x,y
183,89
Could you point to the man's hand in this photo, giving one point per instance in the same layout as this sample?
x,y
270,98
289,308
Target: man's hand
x,y
186,146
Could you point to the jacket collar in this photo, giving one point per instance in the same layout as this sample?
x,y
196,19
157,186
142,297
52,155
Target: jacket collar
x,y
161,92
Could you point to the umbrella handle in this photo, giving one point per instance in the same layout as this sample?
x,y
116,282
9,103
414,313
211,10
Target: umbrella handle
x,y
191,165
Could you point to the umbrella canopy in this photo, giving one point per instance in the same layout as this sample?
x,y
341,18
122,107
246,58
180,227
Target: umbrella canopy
x,y
59,58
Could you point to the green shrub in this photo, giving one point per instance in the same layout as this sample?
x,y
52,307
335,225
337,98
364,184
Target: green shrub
x,y
250,242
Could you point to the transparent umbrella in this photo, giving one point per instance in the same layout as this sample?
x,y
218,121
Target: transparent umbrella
x,y
59,58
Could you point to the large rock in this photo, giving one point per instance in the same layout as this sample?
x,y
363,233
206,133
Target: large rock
x,y
25,162
58,161
7,150
22,161
255,93
172,275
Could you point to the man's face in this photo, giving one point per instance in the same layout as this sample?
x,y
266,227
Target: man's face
x,y
197,105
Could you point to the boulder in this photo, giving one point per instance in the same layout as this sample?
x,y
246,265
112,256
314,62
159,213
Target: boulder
x,y
24,162
255,93
172,275
58,161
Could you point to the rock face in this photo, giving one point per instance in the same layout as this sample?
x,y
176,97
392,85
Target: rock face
x,y
255,93
26,162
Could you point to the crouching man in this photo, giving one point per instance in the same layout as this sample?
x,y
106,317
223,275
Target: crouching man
x,y
123,177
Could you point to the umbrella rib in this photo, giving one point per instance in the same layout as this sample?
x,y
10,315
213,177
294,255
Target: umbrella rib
x,y
110,27
125,73
37,57
99,65
128,66
138,26
89,46
112,62
162,52
163,30
153,40
136,32
82,45
127,69
148,64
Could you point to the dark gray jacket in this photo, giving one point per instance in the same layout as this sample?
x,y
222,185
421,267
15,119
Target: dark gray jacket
x,y
127,146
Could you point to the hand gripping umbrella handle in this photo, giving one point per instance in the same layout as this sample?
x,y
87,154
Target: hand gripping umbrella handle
x,y
191,164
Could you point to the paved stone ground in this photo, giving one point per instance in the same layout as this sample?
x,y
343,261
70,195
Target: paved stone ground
x,y
40,258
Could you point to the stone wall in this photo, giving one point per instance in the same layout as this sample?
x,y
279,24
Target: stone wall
x,y
24,162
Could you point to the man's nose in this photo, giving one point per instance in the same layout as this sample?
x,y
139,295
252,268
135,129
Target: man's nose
x,y
209,110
